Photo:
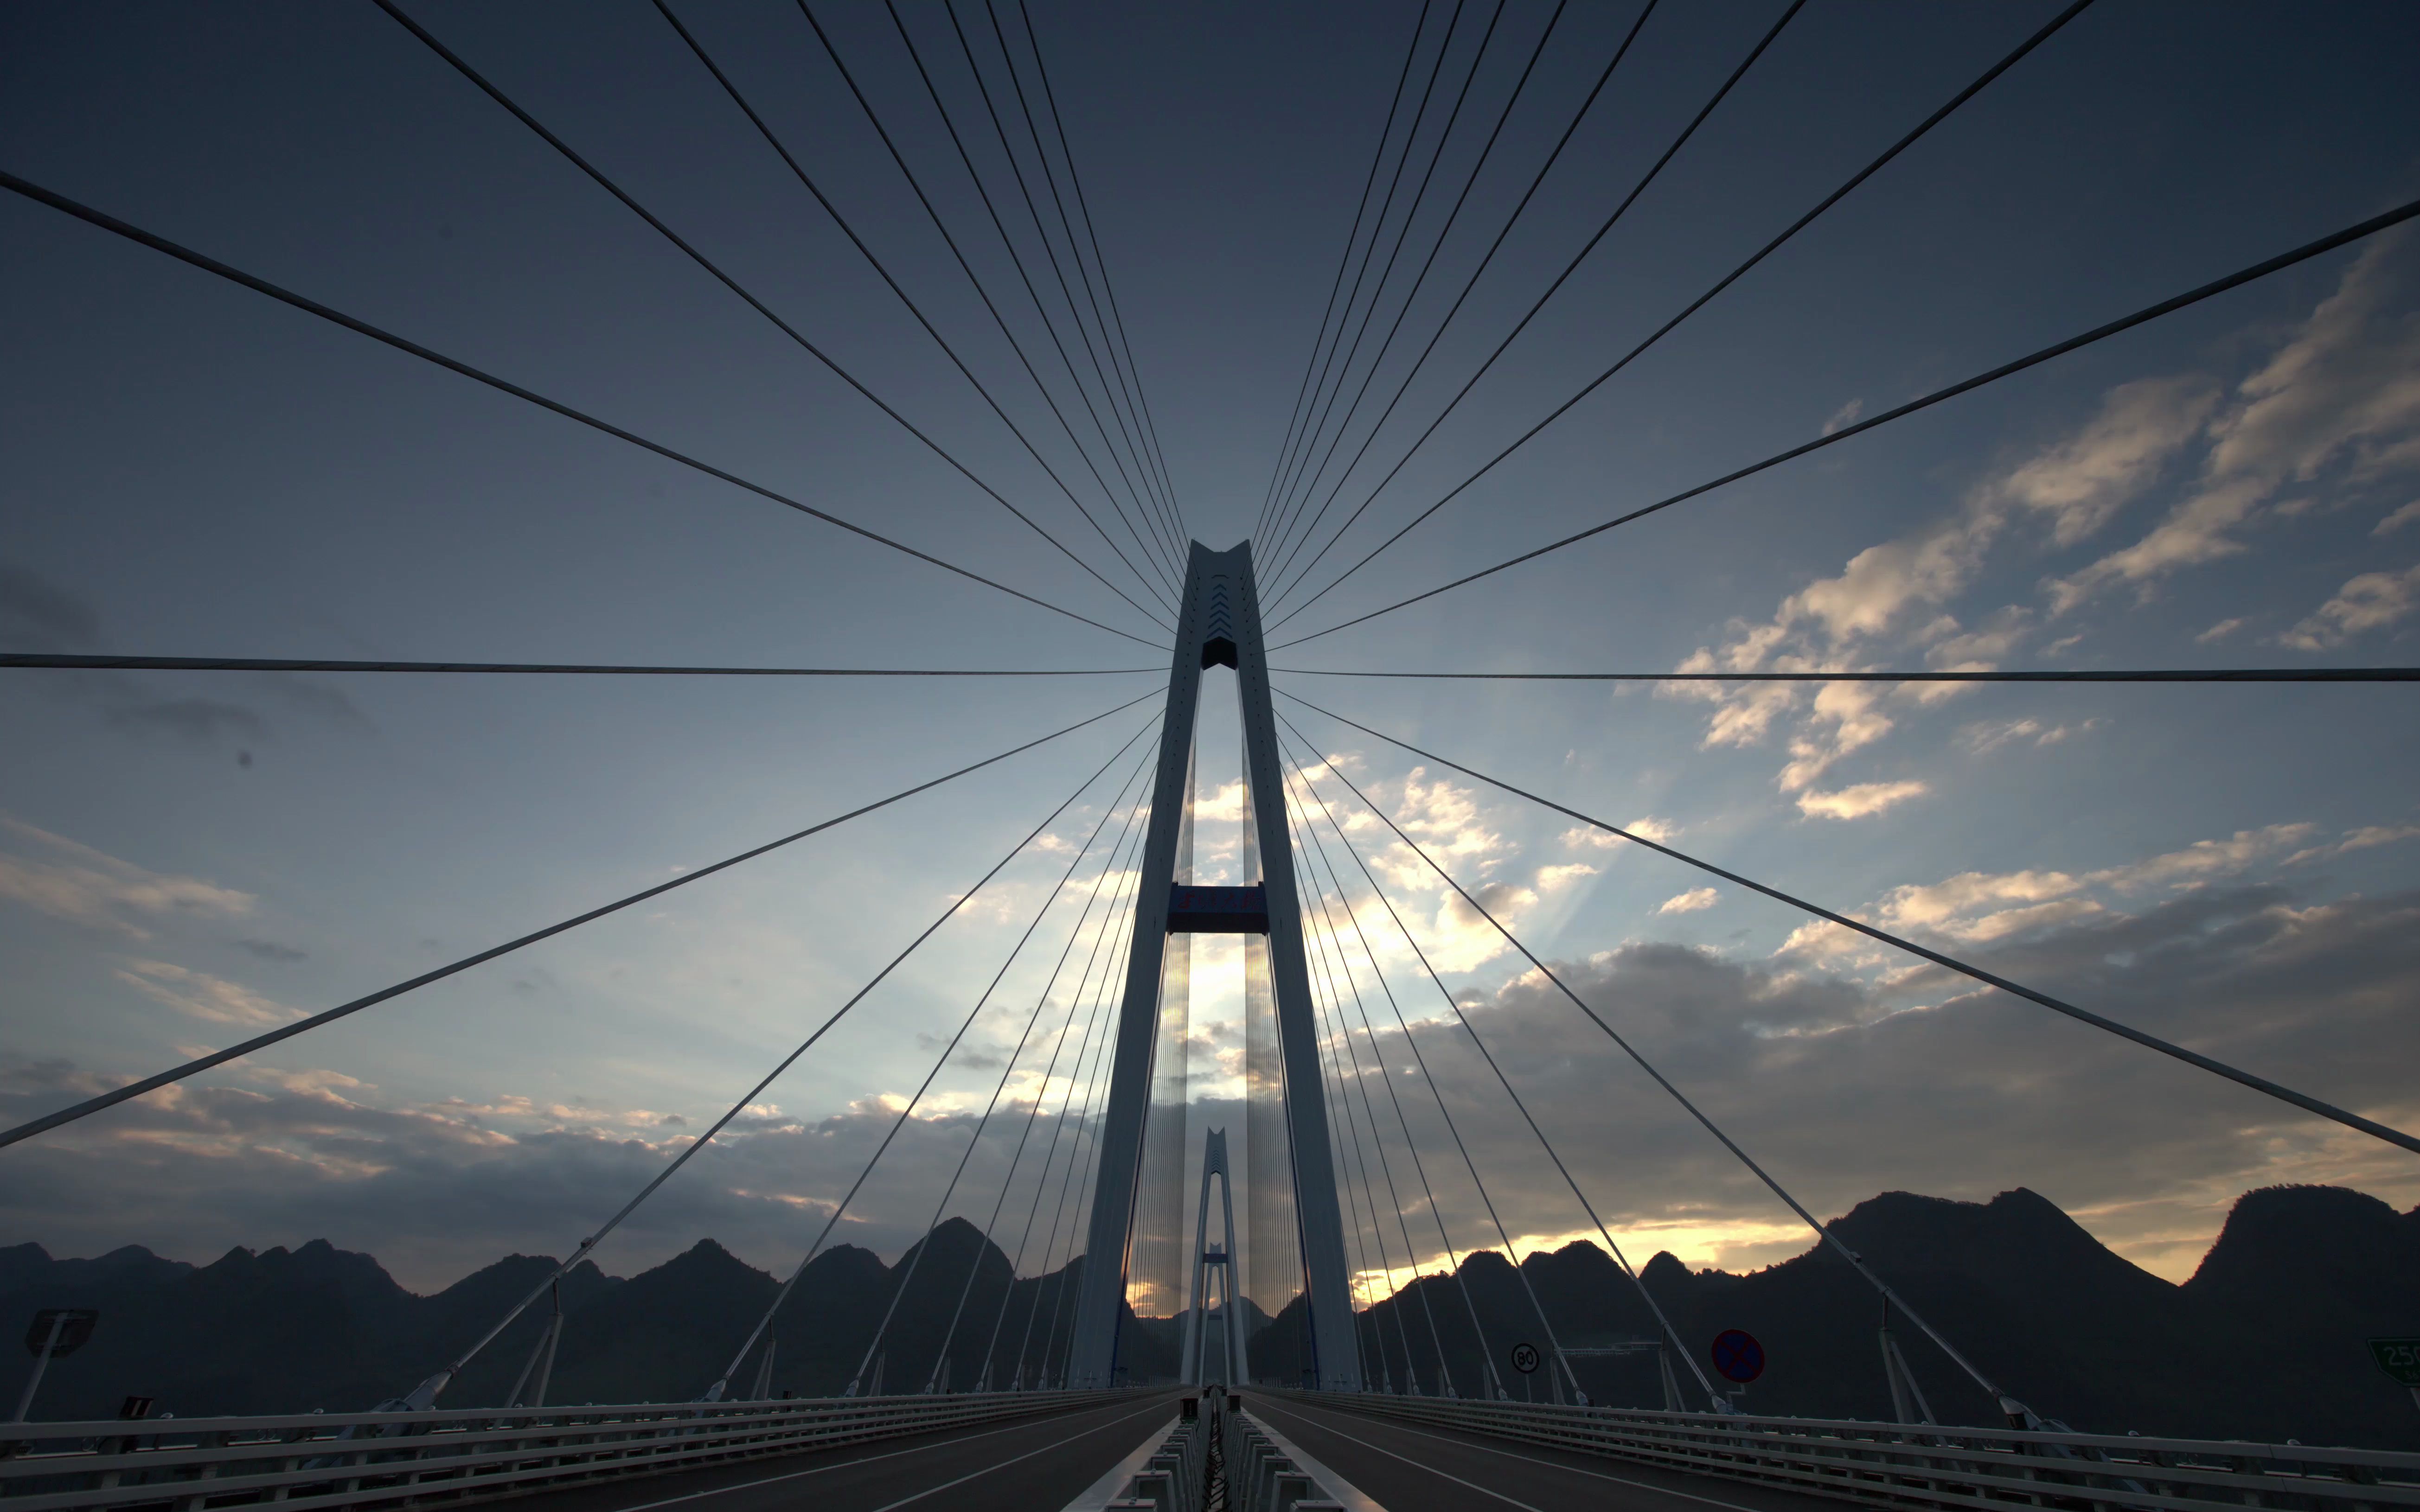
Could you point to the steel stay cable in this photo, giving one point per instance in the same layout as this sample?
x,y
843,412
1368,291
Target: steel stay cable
x,y
1050,1154
1419,281
842,1207
1040,1002
1086,1129
492,92
1331,1099
2152,1042
262,1041
1099,1053
1362,1253
1536,182
1299,490
260,286
1638,189
1144,497
1084,212
1395,182
93,662
1454,1262
865,104
1671,1334
2124,323
1511,1255
1152,507
924,1245
427,1393
1324,993
1368,1114
1343,260
2217,674
1076,1158
842,223
1147,459
1331,943
1309,482
799,172
982,192
27,660
1058,1047
1823,1233
2006,63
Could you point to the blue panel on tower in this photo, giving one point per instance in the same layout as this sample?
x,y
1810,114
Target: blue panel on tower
x,y
1218,910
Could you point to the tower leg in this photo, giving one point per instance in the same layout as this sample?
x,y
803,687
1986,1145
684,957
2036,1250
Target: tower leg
x,y
1091,1355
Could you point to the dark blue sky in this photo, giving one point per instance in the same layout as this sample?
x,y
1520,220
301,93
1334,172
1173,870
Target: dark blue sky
x,y
193,470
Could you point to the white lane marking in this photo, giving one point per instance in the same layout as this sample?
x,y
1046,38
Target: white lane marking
x,y
819,1470
1553,1464
929,1490
1416,1465
1101,1492
1352,1496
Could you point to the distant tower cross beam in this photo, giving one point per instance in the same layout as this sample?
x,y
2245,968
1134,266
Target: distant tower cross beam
x,y
1220,626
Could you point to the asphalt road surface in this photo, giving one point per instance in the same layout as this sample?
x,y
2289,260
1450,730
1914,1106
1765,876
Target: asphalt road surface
x,y
1026,1464
1423,1468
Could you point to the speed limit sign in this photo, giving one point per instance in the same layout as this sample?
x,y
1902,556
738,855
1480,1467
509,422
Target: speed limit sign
x,y
1526,1358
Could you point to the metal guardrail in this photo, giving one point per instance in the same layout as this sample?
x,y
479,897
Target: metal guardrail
x,y
1262,1478
384,1459
1909,1465
1217,1459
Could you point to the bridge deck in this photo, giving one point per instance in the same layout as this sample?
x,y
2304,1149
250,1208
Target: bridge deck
x,y
1406,1469
1030,1464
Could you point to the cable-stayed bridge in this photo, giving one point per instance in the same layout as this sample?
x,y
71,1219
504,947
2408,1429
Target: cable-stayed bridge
x,y
1300,1358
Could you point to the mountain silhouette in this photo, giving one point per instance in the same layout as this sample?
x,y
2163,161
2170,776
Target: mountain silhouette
x,y
2264,1341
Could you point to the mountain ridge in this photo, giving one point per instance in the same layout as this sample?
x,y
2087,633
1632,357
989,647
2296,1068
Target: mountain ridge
x,y
2263,1341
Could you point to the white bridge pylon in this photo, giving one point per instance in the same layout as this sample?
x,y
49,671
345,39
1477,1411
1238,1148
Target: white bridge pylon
x,y
1220,626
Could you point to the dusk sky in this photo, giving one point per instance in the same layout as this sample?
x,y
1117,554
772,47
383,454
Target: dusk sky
x,y
197,469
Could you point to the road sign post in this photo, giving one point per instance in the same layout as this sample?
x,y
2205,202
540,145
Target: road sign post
x,y
54,1331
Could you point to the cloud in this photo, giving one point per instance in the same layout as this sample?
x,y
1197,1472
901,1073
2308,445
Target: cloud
x,y
204,997
38,615
2218,632
2395,521
1956,1091
271,951
1688,902
258,1156
2339,397
1985,906
2365,603
1846,415
2343,394
193,719
1860,800
2357,840
83,886
1646,828
1983,738
2083,482
1553,878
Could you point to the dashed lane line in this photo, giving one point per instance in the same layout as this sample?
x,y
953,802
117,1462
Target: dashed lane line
x,y
1532,1460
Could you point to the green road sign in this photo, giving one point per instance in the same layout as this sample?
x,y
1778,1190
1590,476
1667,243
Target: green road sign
x,y
2400,1358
